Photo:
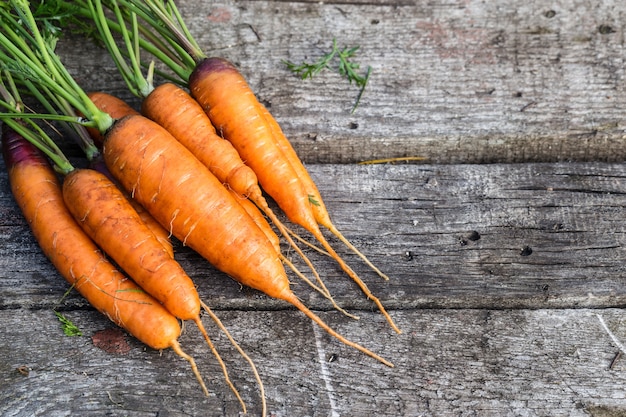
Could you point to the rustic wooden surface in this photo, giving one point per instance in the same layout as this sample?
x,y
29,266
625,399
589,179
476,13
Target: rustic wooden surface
x,y
505,247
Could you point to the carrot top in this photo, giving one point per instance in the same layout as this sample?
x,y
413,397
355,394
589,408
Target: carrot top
x,y
19,122
27,50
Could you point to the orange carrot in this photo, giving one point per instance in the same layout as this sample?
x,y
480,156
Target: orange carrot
x,y
106,216
36,189
183,195
234,110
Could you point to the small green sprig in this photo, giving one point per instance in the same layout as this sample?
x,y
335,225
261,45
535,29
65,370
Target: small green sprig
x,y
345,67
69,328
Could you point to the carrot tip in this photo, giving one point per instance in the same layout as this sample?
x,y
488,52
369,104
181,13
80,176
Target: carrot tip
x,y
179,351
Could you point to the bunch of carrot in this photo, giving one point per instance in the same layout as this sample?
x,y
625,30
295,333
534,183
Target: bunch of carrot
x,y
171,161
77,222
220,92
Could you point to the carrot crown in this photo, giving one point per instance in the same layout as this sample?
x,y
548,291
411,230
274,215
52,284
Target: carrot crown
x,y
11,102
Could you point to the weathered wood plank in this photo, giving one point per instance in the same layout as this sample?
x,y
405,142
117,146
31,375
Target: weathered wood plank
x,y
449,363
459,82
449,235
492,266
466,357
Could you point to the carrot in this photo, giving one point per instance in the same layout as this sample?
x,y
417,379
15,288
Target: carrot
x,y
36,189
183,195
107,217
228,100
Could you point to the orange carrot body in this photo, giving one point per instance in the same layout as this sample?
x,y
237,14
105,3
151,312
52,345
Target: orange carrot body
x,y
37,191
107,217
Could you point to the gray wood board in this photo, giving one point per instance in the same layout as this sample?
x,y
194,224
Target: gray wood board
x,y
474,236
448,363
454,82
487,330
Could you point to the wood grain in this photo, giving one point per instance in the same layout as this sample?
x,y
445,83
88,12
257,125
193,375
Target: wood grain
x,y
455,82
505,247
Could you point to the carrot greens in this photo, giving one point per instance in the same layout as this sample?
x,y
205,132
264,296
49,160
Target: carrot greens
x,y
345,67
27,52
69,328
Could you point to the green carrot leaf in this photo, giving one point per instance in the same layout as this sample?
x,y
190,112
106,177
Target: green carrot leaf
x,y
69,328
344,66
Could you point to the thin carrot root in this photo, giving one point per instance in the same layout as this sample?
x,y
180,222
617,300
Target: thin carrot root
x,y
361,255
221,326
291,298
179,351
263,206
198,322
320,237
316,288
306,242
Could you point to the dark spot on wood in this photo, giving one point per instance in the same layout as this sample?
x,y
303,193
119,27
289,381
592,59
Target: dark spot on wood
x,y
111,341
545,287
472,236
526,251
605,29
518,94
354,125
549,14
374,21
408,255
499,39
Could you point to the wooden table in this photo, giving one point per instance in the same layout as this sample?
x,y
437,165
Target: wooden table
x,y
505,246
